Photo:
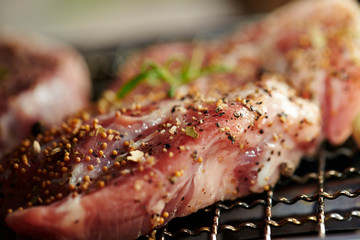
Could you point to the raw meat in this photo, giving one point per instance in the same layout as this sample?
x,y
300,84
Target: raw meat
x,y
40,81
316,45
148,159
321,56
123,174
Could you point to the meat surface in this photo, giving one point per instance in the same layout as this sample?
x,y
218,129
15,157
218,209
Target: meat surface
x,y
150,158
40,81
154,162
325,46
316,45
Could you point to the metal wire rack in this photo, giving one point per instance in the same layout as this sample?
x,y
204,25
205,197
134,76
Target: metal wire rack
x,y
320,200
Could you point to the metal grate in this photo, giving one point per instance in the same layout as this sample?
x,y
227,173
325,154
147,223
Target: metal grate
x,y
320,200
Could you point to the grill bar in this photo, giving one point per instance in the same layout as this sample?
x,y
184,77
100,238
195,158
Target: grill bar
x,y
268,213
214,229
321,201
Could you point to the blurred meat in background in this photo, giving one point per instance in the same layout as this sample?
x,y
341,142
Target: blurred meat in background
x,y
106,31
95,24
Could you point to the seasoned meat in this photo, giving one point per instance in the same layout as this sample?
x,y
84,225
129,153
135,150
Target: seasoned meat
x,y
316,45
120,174
321,58
149,157
40,81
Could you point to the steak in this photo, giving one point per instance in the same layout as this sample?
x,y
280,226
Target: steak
x,y
130,166
40,81
315,44
154,162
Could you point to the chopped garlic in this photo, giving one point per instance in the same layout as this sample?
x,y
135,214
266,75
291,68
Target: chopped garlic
x,y
136,156
172,130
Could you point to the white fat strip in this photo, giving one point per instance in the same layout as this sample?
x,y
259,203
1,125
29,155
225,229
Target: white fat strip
x,y
73,212
153,120
157,207
81,170
138,143
157,116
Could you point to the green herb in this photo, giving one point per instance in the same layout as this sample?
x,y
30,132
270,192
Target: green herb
x,y
189,71
190,131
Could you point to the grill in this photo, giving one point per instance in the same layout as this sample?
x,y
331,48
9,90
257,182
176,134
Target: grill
x,y
320,201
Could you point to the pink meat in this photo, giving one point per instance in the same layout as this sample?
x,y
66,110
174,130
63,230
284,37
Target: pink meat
x,y
316,45
151,161
155,162
40,81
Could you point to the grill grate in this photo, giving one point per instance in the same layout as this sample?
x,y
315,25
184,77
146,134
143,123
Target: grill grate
x,y
322,198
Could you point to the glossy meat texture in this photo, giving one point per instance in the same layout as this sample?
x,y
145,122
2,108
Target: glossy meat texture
x,y
40,81
120,174
321,57
316,45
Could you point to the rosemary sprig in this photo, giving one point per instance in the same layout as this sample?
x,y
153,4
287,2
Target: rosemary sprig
x,y
189,71
150,71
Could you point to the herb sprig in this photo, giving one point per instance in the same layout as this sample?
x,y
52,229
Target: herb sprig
x,y
189,71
